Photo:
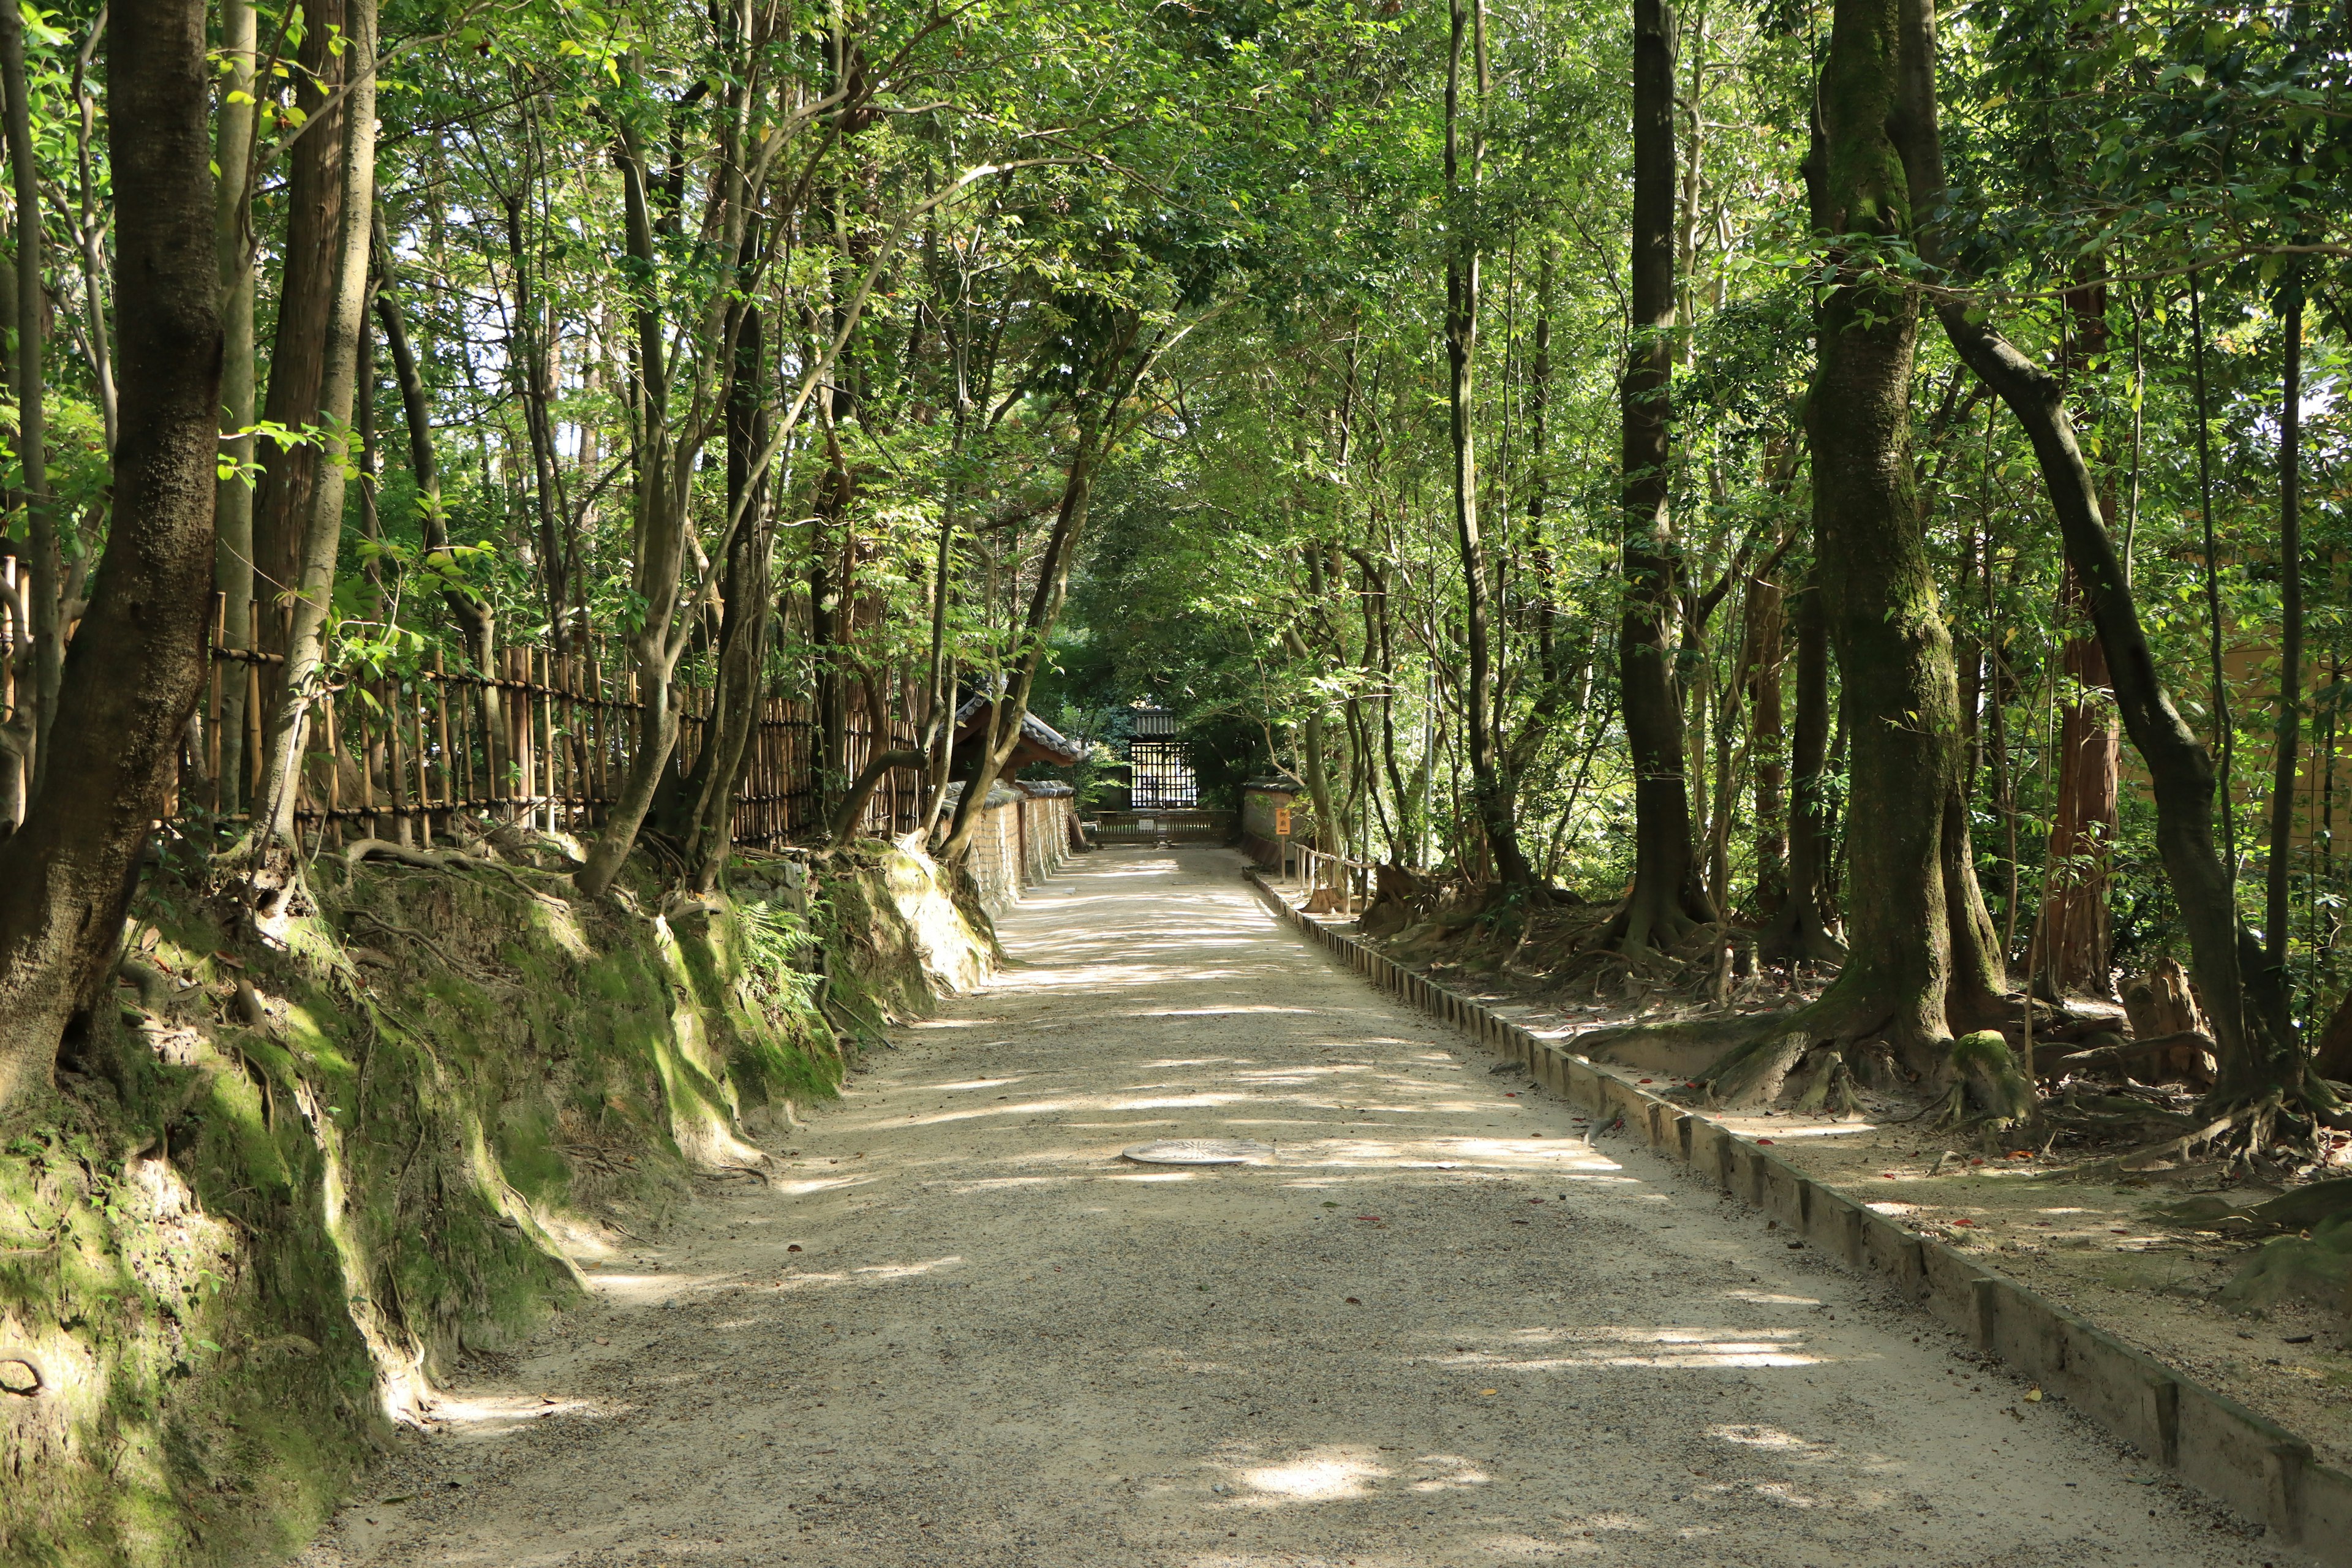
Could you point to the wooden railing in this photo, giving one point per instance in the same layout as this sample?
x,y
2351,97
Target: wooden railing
x,y
1350,882
542,739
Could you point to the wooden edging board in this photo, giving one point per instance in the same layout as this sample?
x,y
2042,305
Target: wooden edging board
x,y
2208,1440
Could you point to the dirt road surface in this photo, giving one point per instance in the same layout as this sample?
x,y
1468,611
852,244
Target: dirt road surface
x,y
1449,1324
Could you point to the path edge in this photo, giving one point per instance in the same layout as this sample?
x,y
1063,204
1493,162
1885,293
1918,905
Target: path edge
x,y
2205,1438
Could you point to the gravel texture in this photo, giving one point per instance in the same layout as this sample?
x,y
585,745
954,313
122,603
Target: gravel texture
x,y
1448,1325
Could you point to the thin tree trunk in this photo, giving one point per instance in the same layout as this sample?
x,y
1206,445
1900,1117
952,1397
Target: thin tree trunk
x,y
67,875
1667,896
1798,932
308,280
322,531
48,630
1491,790
233,555
2075,930
1764,675
2278,912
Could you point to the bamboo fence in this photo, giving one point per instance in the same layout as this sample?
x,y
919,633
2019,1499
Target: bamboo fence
x,y
543,740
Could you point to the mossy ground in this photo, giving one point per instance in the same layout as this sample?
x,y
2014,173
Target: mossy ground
x,y
277,1198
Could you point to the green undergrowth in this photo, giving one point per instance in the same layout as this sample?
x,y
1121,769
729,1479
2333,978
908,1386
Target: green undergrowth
x,y
290,1181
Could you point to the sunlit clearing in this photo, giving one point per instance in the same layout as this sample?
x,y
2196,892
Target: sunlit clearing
x,y
487,1415
905,1271
1663,1348
1317,1478
1628,1521
1446,1472
1216,1012
1766,1298
642,1289
1759,1438
821,1184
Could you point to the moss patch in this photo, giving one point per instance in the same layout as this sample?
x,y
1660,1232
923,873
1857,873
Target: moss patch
x,y
285,1194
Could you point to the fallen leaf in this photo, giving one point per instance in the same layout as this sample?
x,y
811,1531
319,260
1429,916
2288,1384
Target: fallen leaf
x,y
795,1246
2033,1395
2021,1153
1964,1222
1354,1302
603,1341
1646,1081
1889,1175
1762,1141
1485,1391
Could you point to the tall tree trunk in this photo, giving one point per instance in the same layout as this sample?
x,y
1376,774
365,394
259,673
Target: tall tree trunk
x,y
323,530
1765,668
137,663
1491,790
48,628
718,771
1909,905
663,487
1800,930
2074,938
307,287
1002,734
1667,896
233,210
2253,1027
471,613
2278,912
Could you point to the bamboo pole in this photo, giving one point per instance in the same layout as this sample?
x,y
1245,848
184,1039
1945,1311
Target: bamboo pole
x,y
213,678
251,760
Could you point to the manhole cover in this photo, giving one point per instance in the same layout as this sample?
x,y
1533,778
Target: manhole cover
x,y
1199,1152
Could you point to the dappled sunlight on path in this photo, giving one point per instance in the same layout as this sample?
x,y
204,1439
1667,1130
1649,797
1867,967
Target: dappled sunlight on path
x,y
1443,1324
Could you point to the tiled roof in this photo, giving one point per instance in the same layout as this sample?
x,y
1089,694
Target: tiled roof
x,y
1035,731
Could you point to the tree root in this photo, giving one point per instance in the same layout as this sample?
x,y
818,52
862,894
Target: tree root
x,y
444,861
1983,1062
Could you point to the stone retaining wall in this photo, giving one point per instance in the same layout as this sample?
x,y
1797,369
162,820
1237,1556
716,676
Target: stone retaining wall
x,y
1022,838
2212,1442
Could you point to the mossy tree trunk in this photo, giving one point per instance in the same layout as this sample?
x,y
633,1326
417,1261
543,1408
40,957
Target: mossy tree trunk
x,y
138,662
2260,1055
1918,940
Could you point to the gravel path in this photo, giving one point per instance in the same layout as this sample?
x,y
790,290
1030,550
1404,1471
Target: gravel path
x,y
1445,1328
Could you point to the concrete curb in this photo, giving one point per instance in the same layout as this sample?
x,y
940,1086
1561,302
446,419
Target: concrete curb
x,y
2209,1441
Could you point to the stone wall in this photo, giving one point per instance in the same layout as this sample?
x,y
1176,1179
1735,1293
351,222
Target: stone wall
x,y
1025,834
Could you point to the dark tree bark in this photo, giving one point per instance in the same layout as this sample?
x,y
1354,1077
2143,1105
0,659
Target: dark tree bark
x,y
1765,664
1799,930
1667,896
718,771
137,661
1491,790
